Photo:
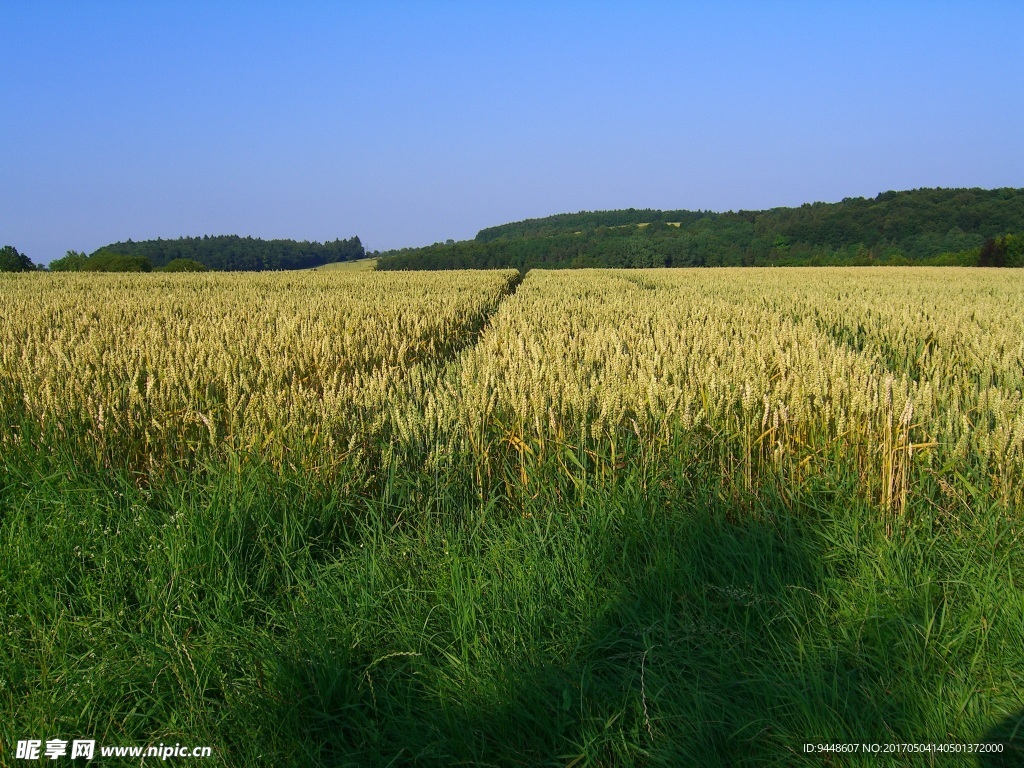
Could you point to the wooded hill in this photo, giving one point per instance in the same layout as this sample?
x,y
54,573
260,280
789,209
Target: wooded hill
x,y
921,226
233,253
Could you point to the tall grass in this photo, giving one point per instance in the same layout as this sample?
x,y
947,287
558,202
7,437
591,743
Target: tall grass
x,y
405,619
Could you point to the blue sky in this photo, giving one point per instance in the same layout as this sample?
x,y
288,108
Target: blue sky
x,y
409,123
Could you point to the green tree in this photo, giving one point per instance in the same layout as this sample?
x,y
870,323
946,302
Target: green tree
x,y
1013,245
12,261
993,253
116,262
73,261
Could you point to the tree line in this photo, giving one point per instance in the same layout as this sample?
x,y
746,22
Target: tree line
x,y
233,253
924,226
105,261
195,254
967,227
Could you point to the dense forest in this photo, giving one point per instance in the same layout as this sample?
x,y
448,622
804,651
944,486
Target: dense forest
x,y
234,253
924,226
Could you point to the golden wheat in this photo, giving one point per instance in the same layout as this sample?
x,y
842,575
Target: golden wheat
x,y
159,368
784,370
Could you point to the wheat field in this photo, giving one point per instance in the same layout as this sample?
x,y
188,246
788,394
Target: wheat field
x,y
785,368
593,517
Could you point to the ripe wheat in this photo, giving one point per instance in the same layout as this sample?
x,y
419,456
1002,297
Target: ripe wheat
x,y
893,372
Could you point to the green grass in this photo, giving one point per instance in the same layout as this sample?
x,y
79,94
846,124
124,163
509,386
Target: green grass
x,y
359,265
408,617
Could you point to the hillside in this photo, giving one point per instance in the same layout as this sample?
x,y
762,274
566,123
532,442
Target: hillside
x,y
922,226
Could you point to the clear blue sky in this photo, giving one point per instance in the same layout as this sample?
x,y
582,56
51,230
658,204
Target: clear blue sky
x,y
409,123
